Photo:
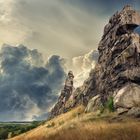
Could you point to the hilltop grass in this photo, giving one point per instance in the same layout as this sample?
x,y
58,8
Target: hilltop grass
x,y
76,125
99,131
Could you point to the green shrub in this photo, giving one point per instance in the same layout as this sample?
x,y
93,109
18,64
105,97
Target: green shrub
x,y
110,104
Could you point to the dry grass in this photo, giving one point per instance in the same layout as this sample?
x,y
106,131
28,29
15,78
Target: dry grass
x,y
71,126
102,131
51,127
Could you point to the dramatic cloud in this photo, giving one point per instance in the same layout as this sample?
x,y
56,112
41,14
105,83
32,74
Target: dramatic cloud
x,y
27,87
68,28
82,65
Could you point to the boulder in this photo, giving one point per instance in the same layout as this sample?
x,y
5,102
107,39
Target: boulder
x,y
93,104
121,111
134,112
128,96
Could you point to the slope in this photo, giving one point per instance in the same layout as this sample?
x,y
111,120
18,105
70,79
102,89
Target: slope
x,y
77,125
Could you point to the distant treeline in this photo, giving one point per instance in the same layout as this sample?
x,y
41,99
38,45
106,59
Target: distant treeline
x,y
11,129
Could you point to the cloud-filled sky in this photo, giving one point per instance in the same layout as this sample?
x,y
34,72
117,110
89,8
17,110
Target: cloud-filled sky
x,y
28,85
65,27
59,35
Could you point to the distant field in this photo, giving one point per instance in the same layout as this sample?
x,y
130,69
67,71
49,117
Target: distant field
x,y
10,129
76,125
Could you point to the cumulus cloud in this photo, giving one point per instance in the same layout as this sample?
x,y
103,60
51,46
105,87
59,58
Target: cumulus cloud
x,y
82,65
28,86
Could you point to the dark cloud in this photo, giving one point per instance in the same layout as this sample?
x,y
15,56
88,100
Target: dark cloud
x,y
27,86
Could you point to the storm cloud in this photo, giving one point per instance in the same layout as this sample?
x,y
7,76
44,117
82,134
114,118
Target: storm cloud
x,y
28,86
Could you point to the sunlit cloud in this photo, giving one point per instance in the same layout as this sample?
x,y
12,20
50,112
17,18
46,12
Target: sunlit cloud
x,y
55,27
82,66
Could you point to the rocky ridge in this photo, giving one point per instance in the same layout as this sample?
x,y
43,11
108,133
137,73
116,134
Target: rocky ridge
x,y
117,72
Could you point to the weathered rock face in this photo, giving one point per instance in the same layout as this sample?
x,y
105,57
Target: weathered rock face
x,y
118,64
93,104
119,53
128,97
134,112
79,96
119,56
64,96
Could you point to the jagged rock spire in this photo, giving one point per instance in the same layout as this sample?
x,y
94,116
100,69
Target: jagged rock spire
x,y
64,96
69,81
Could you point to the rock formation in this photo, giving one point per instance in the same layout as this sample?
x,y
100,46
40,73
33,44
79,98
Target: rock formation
x,y
118,66
64,96
119,53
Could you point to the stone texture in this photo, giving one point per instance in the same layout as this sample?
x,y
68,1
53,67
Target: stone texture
x,y
128,96
93,104
119,57
134,112
119,54
121,111
66,93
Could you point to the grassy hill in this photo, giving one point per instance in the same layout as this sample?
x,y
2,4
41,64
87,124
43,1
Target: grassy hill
x,y
76,125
